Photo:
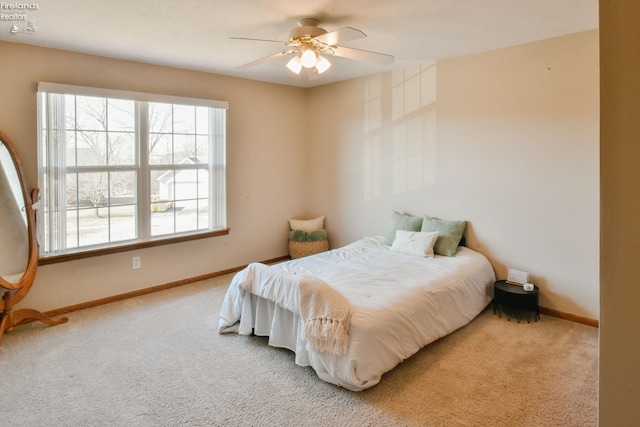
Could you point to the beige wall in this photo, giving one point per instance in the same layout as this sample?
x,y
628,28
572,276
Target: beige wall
x,y
507,140
620,211
266,158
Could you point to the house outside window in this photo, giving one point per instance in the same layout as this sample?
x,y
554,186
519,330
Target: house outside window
x,y
118,168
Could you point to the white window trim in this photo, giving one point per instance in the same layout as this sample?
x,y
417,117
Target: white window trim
x,y
126,94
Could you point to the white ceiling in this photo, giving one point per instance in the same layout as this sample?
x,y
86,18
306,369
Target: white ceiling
x,y
195,34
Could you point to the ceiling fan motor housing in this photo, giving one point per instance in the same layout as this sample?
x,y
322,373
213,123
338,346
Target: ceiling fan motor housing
x,y
307,27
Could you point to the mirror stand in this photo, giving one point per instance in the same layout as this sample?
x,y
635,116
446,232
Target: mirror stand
x,y
12,318
18,242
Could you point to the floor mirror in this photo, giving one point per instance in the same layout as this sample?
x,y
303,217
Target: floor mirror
x,y
18,241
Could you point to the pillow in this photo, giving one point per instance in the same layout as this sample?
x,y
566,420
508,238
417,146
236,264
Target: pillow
x,y
307,224
400,221
450,234
415,243
308,236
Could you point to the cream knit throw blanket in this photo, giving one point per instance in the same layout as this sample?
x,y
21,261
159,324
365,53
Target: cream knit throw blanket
x,y
326,315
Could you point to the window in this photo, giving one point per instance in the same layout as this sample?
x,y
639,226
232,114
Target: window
x,y
117,167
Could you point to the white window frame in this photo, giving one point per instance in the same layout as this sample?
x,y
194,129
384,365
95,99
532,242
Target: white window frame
x,y
54,167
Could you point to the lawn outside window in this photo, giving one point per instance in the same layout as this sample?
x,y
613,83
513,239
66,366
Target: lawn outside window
x,y
119,168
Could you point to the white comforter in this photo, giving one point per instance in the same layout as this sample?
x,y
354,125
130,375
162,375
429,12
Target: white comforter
x,y
399,304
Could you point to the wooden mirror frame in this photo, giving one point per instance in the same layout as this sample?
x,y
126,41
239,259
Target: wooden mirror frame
x,y
13,292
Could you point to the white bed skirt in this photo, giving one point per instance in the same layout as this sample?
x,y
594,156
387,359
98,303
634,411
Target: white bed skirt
x,y
267,319
400,303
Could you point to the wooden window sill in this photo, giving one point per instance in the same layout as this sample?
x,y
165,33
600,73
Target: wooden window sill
x,y
54,259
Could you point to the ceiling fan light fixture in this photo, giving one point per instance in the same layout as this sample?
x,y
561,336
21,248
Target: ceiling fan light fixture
x,y
322,64
310,45
308,58
295,64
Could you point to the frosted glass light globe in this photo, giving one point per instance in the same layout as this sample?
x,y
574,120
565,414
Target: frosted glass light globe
x,y
308,58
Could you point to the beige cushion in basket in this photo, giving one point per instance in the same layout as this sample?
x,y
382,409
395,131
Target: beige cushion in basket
x,y
307,224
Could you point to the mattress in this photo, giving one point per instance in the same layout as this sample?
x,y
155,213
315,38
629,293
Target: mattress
x,y
399,303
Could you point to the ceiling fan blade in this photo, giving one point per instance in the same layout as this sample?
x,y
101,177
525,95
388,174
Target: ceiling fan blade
x,y
363,55
256,40
340,36
261,60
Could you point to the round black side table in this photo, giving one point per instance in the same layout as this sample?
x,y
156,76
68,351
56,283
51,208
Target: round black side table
x,y
514,301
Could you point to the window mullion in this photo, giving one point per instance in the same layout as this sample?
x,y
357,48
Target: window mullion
x,y
144,174
217,169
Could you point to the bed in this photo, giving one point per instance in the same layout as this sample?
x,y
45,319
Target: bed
x,y
396,303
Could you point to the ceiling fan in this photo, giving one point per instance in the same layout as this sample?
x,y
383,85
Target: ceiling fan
x,y
309,44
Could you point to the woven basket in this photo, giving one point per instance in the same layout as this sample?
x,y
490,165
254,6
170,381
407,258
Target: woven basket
x,y
302,249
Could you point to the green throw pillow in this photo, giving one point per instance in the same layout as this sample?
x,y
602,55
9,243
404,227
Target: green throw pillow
x,y
308,236
400,221
449,237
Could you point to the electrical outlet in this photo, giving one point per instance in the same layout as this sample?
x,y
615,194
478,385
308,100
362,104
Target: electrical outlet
x,y
135,261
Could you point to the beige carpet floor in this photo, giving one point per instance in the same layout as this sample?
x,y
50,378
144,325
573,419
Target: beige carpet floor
x,y
157,360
